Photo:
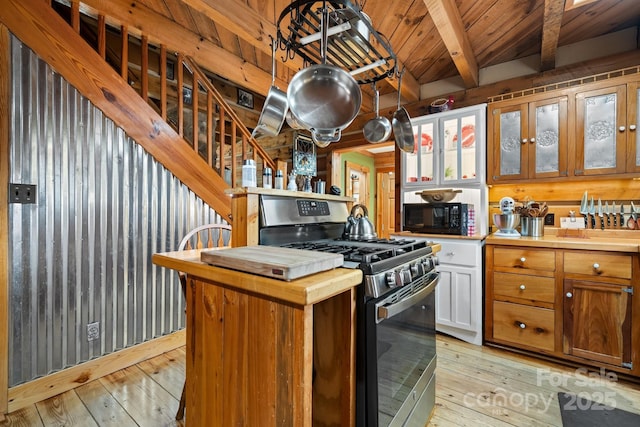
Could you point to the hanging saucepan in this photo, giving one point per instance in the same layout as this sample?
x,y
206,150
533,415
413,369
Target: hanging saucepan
x,y
293,122
402,130
377,129
324,98
275,106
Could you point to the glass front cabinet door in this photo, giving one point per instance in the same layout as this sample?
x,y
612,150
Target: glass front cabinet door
x,y
449,149
529,140
601,131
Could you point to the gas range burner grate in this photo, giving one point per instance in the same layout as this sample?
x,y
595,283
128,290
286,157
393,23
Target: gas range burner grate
x,y
364,252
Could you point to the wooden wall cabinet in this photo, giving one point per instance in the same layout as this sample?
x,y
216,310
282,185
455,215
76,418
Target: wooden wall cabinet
x,y
575,305
587,130
601,131
528,140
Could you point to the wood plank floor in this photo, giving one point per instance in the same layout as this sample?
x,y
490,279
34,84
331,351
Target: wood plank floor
x,y
476,386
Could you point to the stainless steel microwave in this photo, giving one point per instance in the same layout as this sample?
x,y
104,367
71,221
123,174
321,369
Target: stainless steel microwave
x,y
437,218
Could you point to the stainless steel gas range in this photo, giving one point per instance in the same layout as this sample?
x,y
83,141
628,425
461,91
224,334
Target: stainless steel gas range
x,y
396,348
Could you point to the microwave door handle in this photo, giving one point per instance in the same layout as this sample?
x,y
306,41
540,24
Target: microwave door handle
x,y
388,311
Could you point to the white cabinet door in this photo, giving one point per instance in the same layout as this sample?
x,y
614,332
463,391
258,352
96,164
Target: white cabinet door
x,y
457,299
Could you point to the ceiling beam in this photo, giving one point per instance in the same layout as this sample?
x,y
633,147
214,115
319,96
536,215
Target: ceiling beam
x,y
553,11
448,21
244,22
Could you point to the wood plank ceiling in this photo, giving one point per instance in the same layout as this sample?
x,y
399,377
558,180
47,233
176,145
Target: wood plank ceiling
x,y
433,39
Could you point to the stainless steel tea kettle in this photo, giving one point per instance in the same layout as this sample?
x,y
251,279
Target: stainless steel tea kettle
x,y
358,226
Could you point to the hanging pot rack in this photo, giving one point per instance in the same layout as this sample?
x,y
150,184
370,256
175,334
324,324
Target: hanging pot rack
x,y
353,43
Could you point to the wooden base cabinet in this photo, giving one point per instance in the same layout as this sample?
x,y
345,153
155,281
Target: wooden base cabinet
x,y
253,360
525,325
580,307
597,321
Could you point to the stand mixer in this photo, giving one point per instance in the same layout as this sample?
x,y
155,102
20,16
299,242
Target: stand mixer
x,y
507,221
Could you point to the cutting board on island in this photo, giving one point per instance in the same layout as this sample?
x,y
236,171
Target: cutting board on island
x,y
272,261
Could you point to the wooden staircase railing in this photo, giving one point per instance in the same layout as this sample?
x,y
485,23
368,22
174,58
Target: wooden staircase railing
x,y
216,129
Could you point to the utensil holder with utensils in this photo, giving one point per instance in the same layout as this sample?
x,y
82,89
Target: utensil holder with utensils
x,y
532,226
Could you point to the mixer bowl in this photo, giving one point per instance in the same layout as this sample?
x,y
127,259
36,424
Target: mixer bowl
x,y
506,222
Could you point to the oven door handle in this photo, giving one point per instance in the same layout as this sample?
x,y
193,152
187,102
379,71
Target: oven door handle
x,y
388,311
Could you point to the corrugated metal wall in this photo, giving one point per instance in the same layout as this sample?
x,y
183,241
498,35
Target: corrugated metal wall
x,y
82,252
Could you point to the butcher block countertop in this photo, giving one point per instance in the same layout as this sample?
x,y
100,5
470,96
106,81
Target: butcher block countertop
x,y
304,291
592,240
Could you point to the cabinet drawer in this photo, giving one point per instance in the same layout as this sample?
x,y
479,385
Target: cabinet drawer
x,y
598,264
530,259
458,253
523,325
533,288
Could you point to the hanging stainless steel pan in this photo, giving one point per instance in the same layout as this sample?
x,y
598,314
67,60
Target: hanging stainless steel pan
x,y
275,106
377,129
402,130
324,98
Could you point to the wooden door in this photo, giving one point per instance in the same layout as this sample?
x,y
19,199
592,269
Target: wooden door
x,y
385,203
597,321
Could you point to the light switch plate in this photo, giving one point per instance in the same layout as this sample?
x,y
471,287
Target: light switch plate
x,y
572,223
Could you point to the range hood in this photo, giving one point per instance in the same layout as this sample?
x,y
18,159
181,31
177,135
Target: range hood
x,y
353,44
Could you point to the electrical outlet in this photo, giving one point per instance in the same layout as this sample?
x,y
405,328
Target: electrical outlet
x,y
549,219
93,331
22,193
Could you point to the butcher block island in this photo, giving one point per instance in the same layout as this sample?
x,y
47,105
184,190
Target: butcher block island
x,y
252,355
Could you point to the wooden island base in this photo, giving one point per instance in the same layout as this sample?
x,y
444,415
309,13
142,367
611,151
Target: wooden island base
x,y
264,352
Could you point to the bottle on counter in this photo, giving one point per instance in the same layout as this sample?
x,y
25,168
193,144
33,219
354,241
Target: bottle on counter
x,y
266,178
279,180
307,184
293,186
249,178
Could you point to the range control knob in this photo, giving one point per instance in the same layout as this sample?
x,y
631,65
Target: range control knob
x,y
405,277
391,279
417,270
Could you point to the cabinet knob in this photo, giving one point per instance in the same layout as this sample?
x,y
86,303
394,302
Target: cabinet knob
x,y
523,259
520,325
596,266
533,140
569,295
525,140
621,128
451,253
632,127
523,287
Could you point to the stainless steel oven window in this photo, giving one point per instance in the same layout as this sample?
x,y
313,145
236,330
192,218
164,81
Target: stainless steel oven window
x,y
406,346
